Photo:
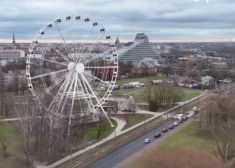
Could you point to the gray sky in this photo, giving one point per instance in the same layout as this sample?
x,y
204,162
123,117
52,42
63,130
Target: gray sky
x,y
159,19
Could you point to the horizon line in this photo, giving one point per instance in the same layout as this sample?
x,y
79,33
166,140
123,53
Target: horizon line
x,y
125,41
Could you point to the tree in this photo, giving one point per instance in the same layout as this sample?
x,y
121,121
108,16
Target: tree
x,y
187,158
4,140
222,125
167,70
7,105
16,82
27,113
101,128
162,96
2,92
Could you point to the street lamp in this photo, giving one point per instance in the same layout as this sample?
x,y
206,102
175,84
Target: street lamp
x,y
71,152
155,73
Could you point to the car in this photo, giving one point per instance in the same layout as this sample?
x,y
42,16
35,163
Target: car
x,y
180,120
164,129
171,127
185,118
157,135
190,114
102,89
147,140
175,123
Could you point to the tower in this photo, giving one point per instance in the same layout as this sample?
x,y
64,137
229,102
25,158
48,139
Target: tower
x,y
13,38
117,43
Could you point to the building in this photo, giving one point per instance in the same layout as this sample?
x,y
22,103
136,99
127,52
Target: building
x,y
9,78
137,50
12,54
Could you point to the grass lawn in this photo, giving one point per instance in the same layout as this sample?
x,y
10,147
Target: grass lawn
x,y
15,147
141,80
190,93
132,120
92,130
138,93
189,137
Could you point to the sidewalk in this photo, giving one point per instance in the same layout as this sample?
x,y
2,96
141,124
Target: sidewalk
x,y
120,124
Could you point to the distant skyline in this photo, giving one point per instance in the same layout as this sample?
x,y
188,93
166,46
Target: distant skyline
x,y
161,20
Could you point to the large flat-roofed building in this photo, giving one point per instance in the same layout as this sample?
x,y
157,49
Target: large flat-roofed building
x,y
137,50
12,54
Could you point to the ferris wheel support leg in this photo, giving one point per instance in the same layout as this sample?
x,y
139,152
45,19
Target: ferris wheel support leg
x,y
111,124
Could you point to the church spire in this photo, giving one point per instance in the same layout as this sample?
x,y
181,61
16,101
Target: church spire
x,y
13,38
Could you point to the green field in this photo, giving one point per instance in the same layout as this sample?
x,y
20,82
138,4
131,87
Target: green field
x,y
15,147
132,120
189,137
141,80
138,93
92,131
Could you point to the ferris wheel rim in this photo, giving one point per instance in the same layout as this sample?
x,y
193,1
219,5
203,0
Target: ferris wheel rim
x,y
110,84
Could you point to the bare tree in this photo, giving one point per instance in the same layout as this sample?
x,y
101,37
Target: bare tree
x,y
8,102
2,91
101,128
16,82
222,125
4,140
27,114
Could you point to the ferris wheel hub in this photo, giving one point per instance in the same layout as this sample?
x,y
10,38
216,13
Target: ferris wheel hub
x,y
71,66
80,67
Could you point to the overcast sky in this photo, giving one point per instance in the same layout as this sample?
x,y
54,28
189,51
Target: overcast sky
x,y
159,19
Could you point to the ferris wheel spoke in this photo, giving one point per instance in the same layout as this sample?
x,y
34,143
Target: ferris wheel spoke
x,y
91,48
72,104
59,52
50,73
107,67
52,61
95,57
96,78
66,46
86,90
56,83
65,83
67,95
87,83
85,36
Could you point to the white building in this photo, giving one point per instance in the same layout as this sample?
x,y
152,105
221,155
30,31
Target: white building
x,y
141,49
12,54
9,78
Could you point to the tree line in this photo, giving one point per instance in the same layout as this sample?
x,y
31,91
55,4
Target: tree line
x,y
162,97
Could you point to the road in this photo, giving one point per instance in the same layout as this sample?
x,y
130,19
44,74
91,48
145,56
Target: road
x,y
132,148
153,144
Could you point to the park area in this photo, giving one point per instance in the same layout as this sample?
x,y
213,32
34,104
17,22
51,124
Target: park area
x,y
140,94
190,143
141,79
13,139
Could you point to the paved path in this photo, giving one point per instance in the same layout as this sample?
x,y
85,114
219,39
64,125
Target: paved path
x,y
142,112
120,124
156,142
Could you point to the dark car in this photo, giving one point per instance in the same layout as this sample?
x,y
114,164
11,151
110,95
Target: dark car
x,y
180,121
164,130
185,118
157,135
171,127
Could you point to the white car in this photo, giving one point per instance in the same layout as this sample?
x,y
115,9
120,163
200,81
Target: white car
x,y
147,140
102,89
190,114
175,123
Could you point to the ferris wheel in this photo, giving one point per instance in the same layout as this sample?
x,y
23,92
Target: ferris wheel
x,y
72,67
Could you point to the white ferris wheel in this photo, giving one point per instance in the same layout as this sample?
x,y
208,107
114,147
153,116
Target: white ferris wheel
x,y
72,67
